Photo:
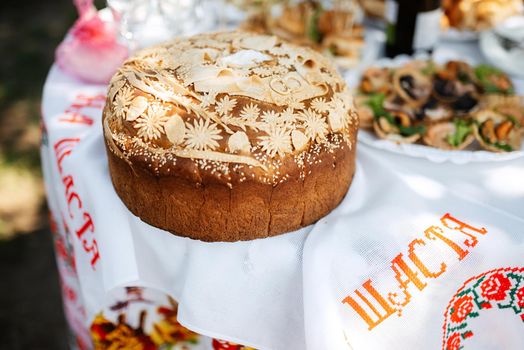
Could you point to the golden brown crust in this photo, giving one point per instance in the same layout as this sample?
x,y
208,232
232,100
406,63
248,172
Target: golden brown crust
x,y
229,136
247,211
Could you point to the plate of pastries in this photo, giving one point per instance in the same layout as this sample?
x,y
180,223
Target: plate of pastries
x,y
335,31
450,111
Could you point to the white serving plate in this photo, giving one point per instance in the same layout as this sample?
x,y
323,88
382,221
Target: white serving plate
x,y
418,150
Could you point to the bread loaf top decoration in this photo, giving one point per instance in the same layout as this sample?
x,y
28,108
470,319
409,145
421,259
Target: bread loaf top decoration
x,y
226,107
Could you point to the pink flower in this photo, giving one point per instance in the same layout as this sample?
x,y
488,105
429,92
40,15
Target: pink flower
x,y
91,51
92,31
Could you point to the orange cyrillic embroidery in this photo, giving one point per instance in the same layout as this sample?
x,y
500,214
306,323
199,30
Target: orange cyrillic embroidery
x,y
419,264
73,195
84,234
461,226
86,101
88,225
73,113
93,249
63,148
401,268
381,308
435,231
365,316
68,183
75,118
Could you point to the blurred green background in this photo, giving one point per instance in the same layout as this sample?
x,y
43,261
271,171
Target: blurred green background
x,y
31,315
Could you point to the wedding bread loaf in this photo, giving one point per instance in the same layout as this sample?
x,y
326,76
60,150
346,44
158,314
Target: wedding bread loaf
x,y
229,136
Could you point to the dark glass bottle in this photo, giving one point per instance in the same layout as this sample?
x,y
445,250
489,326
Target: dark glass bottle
x,y
412,26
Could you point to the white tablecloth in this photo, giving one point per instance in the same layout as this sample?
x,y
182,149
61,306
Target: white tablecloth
x,y
285,292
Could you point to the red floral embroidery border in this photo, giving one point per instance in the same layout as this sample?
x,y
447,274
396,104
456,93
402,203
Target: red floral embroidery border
x,y
502,287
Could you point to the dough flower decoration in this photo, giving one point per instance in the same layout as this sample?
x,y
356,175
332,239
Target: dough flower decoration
x,y
320,105
151,124
250,112
288,115
315,125
271,117
294,103
225,105
207,99
123,100
277,141
202,135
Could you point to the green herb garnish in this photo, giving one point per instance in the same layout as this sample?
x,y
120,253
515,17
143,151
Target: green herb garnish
x,y
483,72
503,146
376,103
512,118
490,88
462,130
430,69
404,130
411,130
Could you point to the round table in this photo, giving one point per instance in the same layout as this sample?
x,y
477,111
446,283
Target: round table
x,y
295,291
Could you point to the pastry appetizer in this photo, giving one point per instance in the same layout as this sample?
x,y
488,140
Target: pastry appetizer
x,y
496,132
450,135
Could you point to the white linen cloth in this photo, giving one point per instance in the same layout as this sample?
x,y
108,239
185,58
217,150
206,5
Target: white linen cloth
x,y
291,291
